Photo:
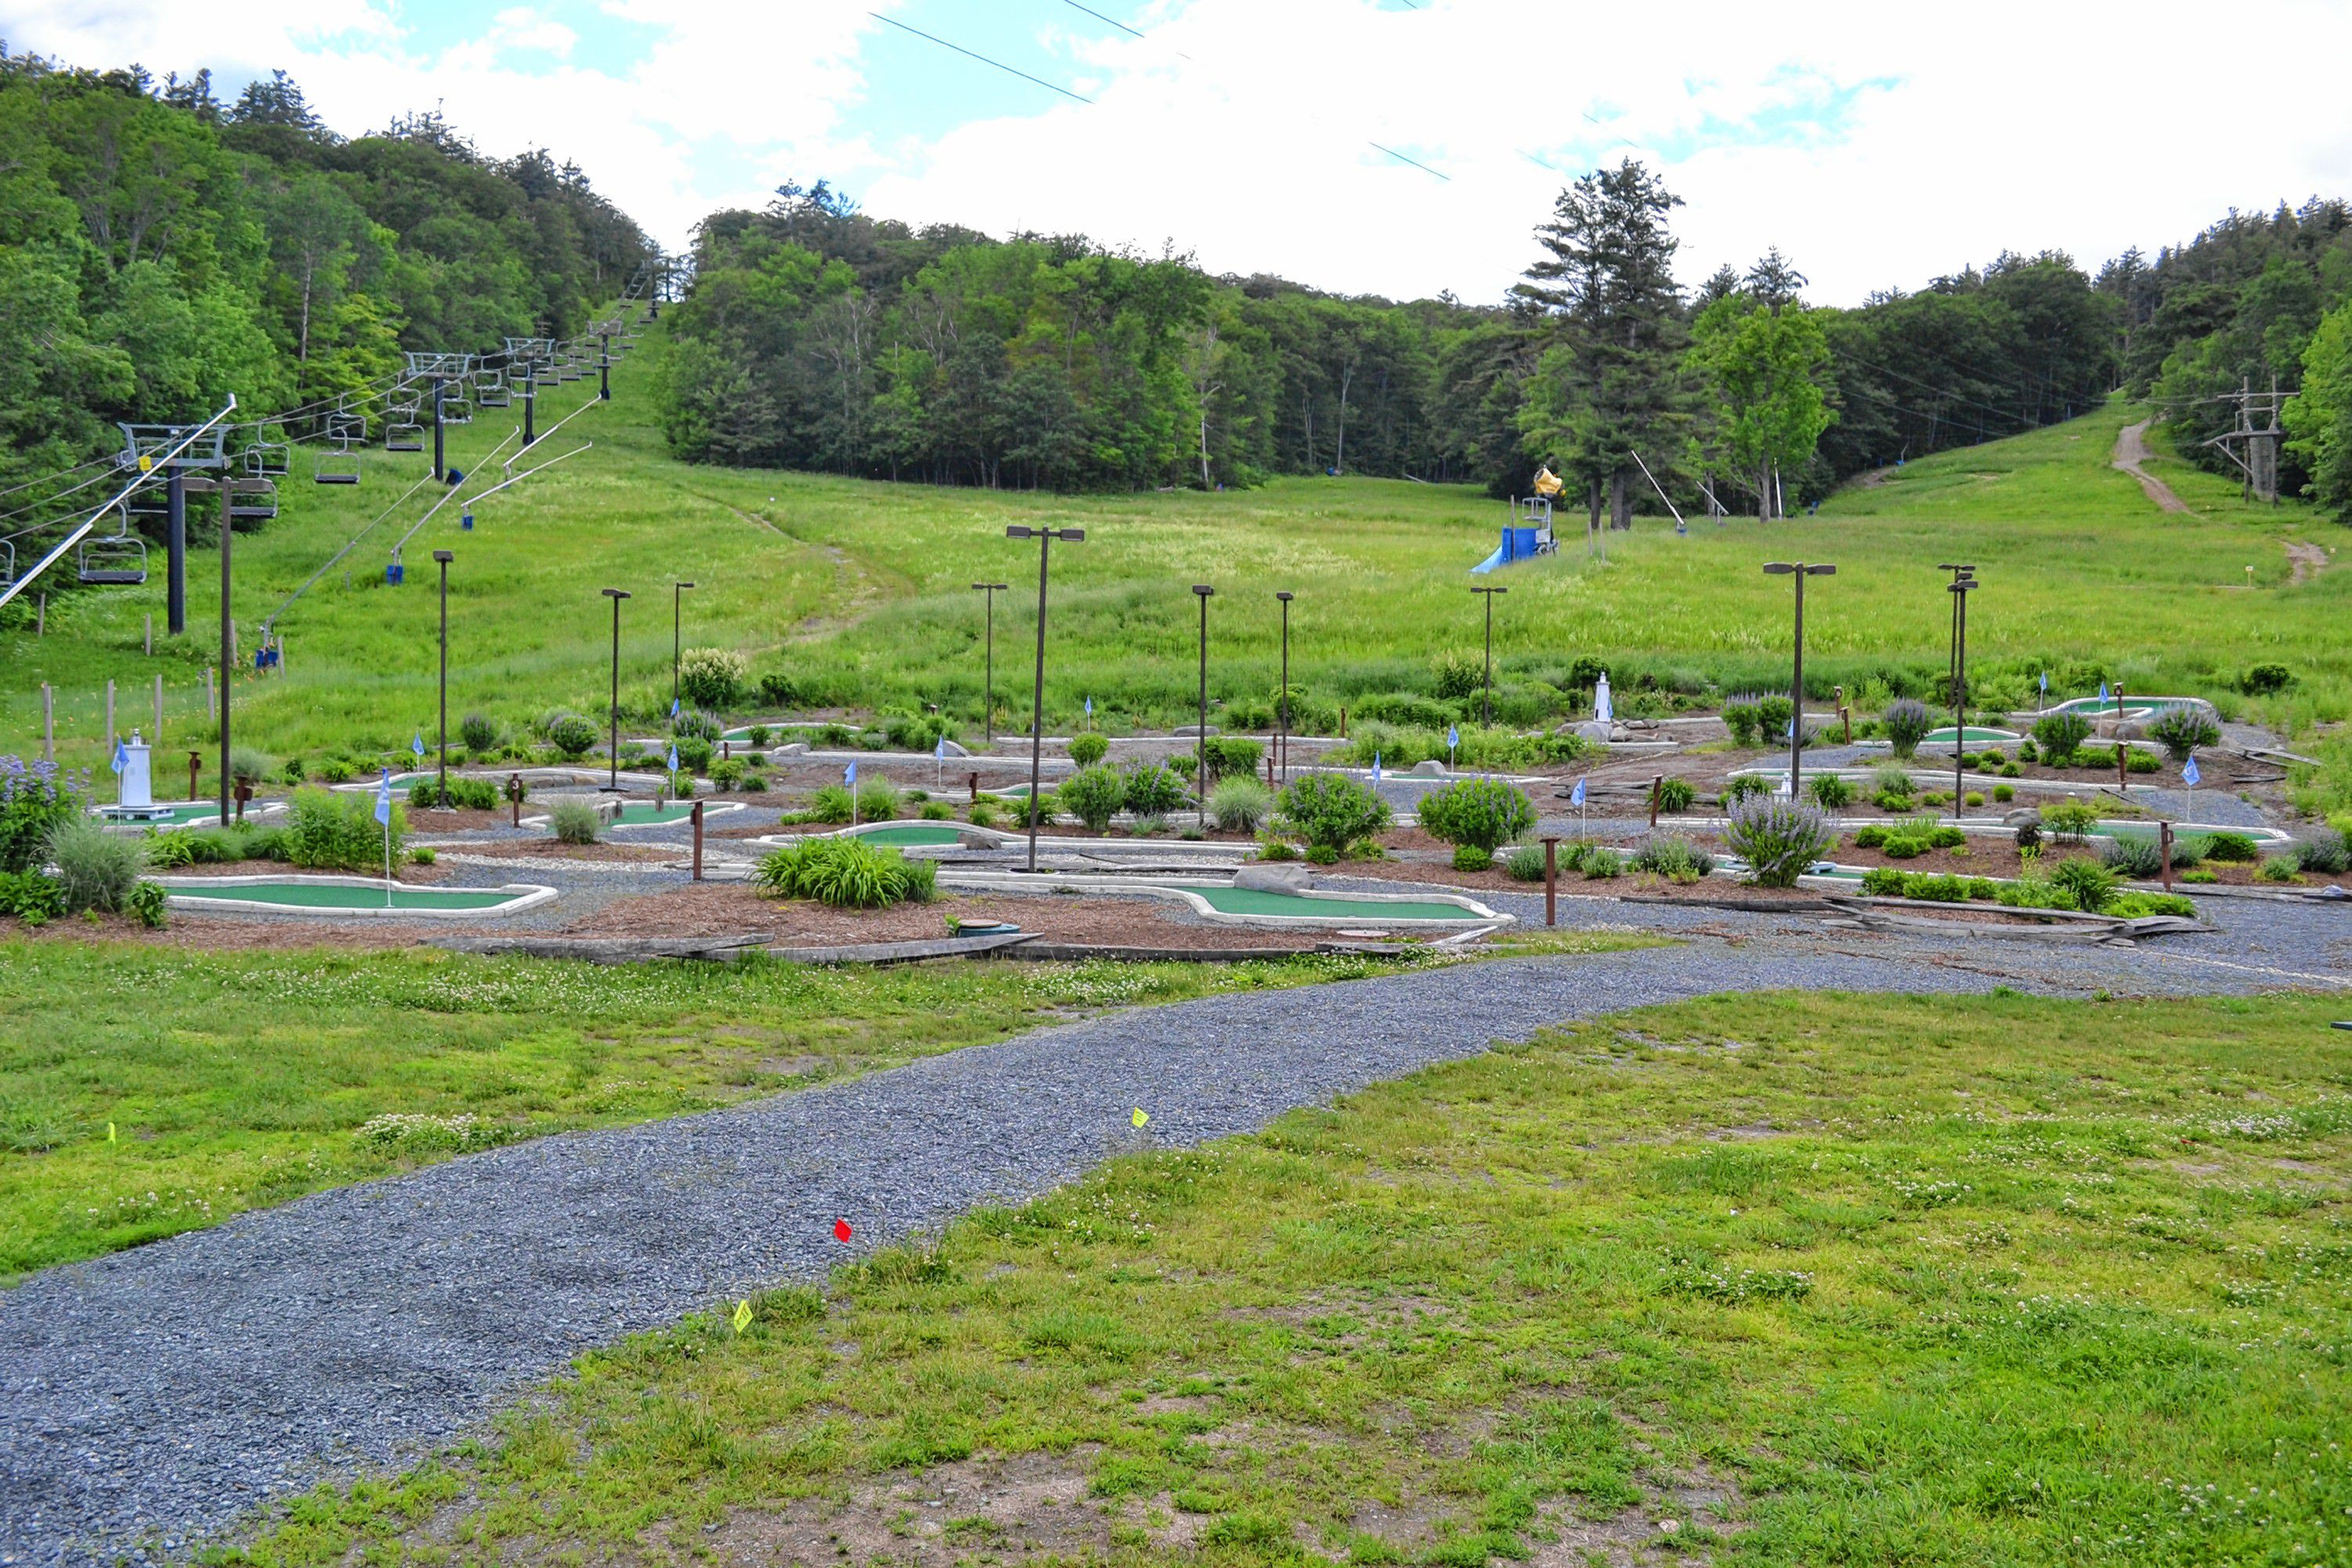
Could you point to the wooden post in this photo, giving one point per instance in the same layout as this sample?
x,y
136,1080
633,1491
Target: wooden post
x,y
972,785
196,765
1343,723
698,841
243,794
49,723
151,633
726,750
1657,788
514,797
1551,880
2164,840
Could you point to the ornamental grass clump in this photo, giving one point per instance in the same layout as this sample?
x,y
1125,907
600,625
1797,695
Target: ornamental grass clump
x,y
1906,722
1675,859
575,822
95,869
846,873
2182,731
1240,803
1779,838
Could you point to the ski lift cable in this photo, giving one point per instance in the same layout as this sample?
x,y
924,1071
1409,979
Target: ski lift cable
x,y
349,545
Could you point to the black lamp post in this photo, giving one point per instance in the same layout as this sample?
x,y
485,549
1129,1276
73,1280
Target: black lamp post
x,y
988,680
227,656
676,622
1282,745
445,557
617,596
1202,591
1961,586
1044,538
1800,571
1490,594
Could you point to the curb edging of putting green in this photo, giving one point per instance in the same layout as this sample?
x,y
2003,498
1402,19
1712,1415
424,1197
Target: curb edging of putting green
x,y
1475,913
521,896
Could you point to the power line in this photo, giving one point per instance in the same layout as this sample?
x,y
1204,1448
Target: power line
x,y
983,59
1415,162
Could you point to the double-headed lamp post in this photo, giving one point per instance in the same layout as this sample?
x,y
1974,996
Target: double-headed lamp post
x,y
1490,594
1044,538
1202,591
988,681
1962,585
1281,742
1800,571
445,557
677,624
617,596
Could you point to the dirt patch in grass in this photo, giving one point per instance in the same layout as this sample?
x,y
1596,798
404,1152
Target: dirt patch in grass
x,y
1022,1509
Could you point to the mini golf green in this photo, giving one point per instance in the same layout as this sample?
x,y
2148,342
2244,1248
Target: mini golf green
x,y
191,812
636,814
1367,911
911,833
1977,735
331,896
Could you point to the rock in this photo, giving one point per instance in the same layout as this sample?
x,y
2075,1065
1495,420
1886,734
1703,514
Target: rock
x,y
954,750
1276,878
1593,730
1190,731
969,839
792,749
2024,816
1430,768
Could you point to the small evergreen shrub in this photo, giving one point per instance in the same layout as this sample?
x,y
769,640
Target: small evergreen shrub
x,y
2059,735
1525,864
2232,846
1088,748
1470,858
1830,792
571,735
1740,716
422,855
2265,680
1094,795
1906,722
1477,813
575,822
2004,793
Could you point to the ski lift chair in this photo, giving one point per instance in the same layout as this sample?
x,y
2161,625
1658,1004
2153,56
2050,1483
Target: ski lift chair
x,y
344,428
150,498
490,390
456,411
7,565
119,559
270,459
569,371
403,437
340,467
252,500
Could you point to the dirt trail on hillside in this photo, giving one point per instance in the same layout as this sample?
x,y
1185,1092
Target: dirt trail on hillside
x,y
2309,560
2131,452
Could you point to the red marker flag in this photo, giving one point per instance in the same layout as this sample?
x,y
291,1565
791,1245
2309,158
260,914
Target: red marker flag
x,y
841,1231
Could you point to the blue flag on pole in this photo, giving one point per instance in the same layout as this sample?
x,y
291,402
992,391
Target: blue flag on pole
x,y
940,750
2045,683
121,757
2103,691
1090,707
1376,767
2189,772
417,745
673,707
673,756
384,798
1576,797
849,775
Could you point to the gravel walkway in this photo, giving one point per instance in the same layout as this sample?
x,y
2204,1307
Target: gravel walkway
x,y
154,1396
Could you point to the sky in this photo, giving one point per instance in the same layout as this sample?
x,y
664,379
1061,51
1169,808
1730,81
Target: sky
x,y
1394,147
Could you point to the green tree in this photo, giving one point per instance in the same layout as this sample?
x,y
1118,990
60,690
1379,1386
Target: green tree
x,y
1765,365
2318,418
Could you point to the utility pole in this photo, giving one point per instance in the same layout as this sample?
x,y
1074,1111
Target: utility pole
x,y
1489,707
1201,733
617,596
1282,744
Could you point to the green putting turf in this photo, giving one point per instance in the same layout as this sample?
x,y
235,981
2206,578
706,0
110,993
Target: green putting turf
x,y
1977,735
1251,901
208,811
906,833
641,812
318,896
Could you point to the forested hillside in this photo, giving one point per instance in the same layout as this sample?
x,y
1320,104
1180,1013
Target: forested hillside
x,y
160,249
817,336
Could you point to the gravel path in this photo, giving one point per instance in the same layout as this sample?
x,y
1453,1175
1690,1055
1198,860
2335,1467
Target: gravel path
x,y
156,1395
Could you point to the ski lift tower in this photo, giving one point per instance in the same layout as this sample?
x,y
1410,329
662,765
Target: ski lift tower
x,y
148,450
529,353
441,369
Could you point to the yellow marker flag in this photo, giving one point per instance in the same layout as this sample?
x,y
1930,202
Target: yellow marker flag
x,y
742,1316
1139,1118
110,1131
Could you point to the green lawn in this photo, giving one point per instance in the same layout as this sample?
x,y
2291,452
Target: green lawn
x,y
860,591
1819,1278
144,1092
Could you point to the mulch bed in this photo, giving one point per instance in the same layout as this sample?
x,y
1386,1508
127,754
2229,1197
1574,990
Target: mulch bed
x,y
724,908
556,849
432,824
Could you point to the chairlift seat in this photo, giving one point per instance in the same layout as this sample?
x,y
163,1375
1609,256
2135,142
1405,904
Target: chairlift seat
x,y
252,500
270,458
337,468
456,411
494,397
118,561
8,565
404,437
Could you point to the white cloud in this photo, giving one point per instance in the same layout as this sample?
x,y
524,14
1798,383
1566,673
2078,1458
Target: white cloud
x,y
1241,130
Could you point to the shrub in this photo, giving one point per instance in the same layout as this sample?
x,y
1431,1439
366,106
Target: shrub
x,y
1675,859
982,814
2070,821
335,770
2090,884
1331,810
693,753
1830,792
1891,778
571,735
480,732
711,677
2032,892
177,847
474,795
2182,731
1906,722
1525,864
249,767
1470,858
331,832
34,798
2137,856
2323,852
422,855
1323,854
1885,882
1870,835
1904,846
2003,792
727,774
95,869
2232,846
1740,716
1153,790
937,811
1272,848
698,725
2029,837
1773,715
1087,749
1233,755
2140,762
831,803
1943,835
2133,906
1480,814
1240,803
1743,785
757,736
1944,889
1779,839
1094,795
832,734
147,904
33,897
2265,680
1599,863
1186,763
2279,869
1975,798
2059,735
877,799
2186,851
846,873
575,822
1675,795
2026,751
777,691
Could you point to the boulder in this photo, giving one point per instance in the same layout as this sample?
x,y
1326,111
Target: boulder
x,y
1430,768
2024,816
792,749
1190,730
1594,731
1280,877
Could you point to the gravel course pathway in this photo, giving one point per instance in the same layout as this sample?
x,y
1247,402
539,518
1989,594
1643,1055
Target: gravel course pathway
x,y
155,1397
